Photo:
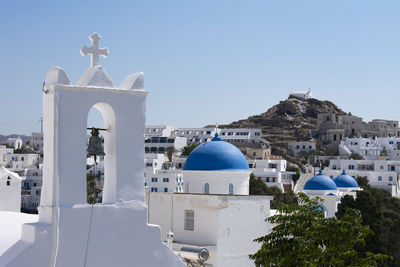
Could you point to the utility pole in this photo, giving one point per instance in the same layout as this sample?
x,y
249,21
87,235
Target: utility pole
x,y
41,125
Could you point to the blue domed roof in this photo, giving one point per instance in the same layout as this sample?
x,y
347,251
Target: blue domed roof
x,y
345,180
320,182
216,155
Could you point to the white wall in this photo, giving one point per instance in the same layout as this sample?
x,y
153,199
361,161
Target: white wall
x,y
194,181
230,223
240,221
10,190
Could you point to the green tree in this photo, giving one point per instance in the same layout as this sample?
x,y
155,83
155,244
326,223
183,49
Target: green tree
x,y
170,152
186,150
258,187
355,156
91,189
304,237
381,212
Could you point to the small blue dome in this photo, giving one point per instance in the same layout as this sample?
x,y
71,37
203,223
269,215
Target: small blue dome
x,y
345,180
216,155
320,182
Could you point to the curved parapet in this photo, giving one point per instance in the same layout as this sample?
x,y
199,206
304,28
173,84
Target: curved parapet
x,y
57,75
96,76
133,82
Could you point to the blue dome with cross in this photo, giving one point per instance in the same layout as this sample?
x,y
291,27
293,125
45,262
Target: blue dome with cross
x,y
320,182
345,180
216,155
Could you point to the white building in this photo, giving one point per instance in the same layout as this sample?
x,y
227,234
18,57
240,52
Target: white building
x,y
10,191
37,141
3,151
380,173
15,142
231,135
302,95
217,213
31,188
18,162
272,172
371,149
162,178
296,147
159,131
71,232
160,144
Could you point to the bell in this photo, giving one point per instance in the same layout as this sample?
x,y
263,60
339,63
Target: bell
x,y
95,147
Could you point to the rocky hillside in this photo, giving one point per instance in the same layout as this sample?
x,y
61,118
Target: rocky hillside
x,y
292,119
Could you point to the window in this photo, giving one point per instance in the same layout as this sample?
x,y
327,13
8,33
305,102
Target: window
x,y
309,147
145,184
165,180
22,158
154,189
149,164
392,168
165,189
379,178
154,180
390,178
206,188
189,220
8,183
230,189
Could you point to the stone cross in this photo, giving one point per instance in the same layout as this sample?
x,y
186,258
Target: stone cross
x,y
94,50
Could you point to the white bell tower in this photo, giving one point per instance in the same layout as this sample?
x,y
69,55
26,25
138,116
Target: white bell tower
x,y
71,232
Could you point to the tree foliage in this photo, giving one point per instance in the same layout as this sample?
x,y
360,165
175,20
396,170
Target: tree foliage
x,y
186,150
381,212
258,187
304,237
171,150
92,190
356,156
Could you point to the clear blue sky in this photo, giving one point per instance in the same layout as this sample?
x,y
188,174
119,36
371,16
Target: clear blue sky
x,y
207,61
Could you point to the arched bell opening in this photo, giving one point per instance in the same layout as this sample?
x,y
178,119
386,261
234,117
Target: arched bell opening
x,y
101,171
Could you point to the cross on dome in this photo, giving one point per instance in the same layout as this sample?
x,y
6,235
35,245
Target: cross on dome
x,y
94,50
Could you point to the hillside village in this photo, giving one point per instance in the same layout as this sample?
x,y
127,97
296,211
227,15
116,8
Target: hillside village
x,y
307,134
190,193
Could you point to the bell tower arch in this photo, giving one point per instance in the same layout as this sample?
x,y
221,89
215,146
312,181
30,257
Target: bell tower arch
x,y
71,232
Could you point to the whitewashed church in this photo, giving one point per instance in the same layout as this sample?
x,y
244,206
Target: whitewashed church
x,y
216,212
302,95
